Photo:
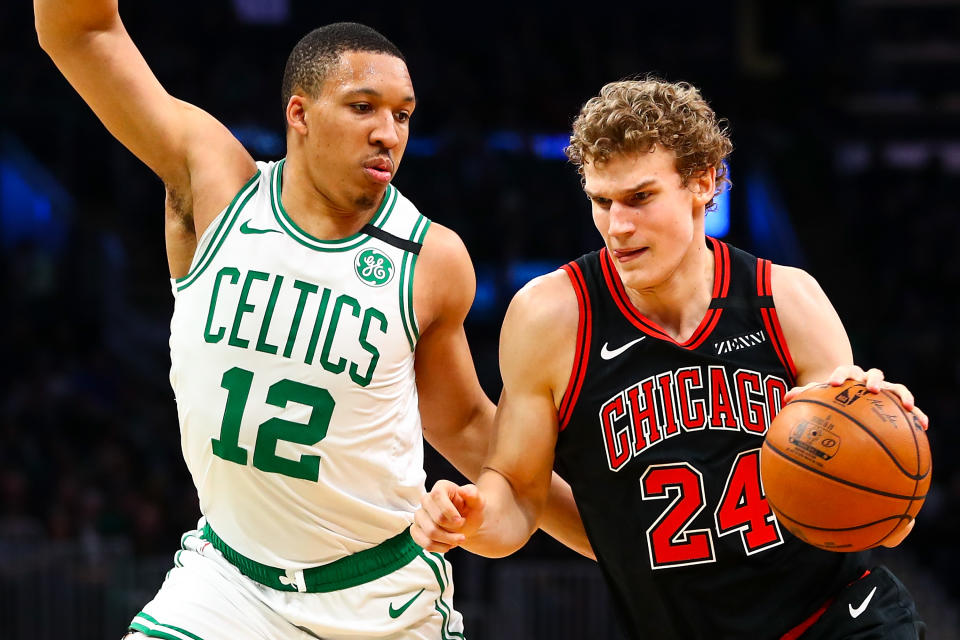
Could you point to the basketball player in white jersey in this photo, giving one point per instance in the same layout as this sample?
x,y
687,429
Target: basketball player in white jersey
x,y
318,320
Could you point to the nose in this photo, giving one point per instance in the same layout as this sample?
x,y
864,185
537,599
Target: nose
x,y
621,220
385,132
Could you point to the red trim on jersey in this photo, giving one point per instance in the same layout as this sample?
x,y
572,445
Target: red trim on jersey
x,y
763,277
772,322
721,279
798,630
582,355
721,287
619,295
709,324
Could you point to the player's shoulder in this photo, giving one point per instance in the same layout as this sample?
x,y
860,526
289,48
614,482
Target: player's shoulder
x,y
539,334
443,244
793,286
546,306
444,260
445,282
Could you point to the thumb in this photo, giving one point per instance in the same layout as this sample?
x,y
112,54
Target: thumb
x,y
471,498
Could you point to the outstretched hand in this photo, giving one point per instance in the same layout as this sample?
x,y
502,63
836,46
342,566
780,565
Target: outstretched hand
x,y
447,516
873,381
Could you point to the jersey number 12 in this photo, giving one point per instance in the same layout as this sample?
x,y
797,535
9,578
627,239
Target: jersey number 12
x,y
237,382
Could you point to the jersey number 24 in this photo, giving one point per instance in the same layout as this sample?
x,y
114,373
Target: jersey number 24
x,y
743,508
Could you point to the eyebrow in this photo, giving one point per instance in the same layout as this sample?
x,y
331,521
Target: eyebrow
x,y
367,91
640,187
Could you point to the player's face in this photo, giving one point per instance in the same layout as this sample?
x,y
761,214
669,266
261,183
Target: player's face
x,y
357,128
649,220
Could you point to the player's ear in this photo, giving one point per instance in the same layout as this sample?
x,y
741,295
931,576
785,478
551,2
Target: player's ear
x,y
297,114
703,185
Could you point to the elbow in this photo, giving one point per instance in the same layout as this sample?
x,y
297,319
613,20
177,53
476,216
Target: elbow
x,y
45,25
42,36
47,36
495,550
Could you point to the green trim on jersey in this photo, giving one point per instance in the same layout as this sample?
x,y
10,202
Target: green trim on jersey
x,y
220,233
406,283
352,570
343,244
440,605
149,627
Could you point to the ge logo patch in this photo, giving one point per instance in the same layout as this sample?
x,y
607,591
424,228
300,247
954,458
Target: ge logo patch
x,y
373,267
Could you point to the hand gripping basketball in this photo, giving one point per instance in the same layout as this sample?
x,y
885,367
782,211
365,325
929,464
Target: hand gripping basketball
x,y
873,380
447,516
846,469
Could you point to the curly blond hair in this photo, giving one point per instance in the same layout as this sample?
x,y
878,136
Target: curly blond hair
x,y
635,115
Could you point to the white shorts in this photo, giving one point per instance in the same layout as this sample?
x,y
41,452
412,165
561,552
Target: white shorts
x,y
205,597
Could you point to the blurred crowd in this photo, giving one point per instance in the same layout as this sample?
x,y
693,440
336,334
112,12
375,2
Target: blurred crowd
x,y
858,146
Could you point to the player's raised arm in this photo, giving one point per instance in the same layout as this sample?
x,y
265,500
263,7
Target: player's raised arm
x,y
515,488
89,44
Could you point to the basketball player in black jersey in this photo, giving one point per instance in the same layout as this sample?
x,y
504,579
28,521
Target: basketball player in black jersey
x,y
649,371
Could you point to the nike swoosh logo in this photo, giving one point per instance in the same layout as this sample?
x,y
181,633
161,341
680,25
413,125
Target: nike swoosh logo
x,y
855,613
607,354
246,228
396,613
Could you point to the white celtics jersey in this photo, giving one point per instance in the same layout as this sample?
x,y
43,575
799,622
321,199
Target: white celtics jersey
x,y
292,364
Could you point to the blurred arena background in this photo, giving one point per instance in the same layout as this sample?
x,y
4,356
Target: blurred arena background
x,y
845,118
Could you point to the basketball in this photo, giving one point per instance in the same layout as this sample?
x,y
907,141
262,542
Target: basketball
x,y
845,469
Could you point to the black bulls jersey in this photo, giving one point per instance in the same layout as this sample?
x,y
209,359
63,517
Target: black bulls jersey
x,y
660,442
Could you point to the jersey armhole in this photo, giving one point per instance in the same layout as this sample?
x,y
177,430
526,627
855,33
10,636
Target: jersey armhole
x,y
408,265
582,354
770,320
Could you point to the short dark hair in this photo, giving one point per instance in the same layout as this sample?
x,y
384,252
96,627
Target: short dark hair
x,y
318,51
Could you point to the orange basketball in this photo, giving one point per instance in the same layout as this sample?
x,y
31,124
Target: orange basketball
x,y
844,468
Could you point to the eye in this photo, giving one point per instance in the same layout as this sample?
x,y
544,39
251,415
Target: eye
x,y
641,196
603,203
403,116
361,107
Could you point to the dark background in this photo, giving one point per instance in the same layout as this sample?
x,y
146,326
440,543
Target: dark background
x,y
845,116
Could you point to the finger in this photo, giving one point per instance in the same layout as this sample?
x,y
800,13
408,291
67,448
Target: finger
x,y
899,534
795,391
441,509
906,398
874,378
472,498
924,420
846,372
426,532
425,542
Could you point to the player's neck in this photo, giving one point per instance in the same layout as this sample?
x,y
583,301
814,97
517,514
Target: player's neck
x,y
679,303
314,211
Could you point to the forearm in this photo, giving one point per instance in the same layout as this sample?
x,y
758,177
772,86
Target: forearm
x,y
561,518
466,447
508,520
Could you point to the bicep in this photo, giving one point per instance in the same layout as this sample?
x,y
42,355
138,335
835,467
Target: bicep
x,y
447,383
537,332
524,442
443,288
814,332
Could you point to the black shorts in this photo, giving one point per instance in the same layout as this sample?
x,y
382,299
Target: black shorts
x,y
875,607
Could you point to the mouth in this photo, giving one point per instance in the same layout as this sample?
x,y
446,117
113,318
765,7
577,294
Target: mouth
x,y
626,255
379,169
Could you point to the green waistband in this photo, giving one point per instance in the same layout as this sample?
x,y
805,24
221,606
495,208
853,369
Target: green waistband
x,y
358,568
